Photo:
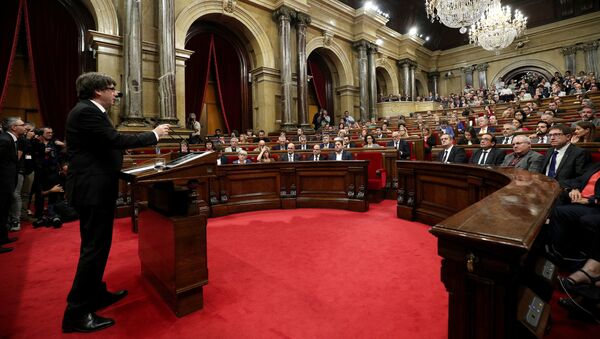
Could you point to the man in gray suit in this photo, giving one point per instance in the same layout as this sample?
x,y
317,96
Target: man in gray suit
x,y
523,157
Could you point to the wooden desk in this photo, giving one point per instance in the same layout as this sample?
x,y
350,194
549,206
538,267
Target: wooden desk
x,y
249,187
486,222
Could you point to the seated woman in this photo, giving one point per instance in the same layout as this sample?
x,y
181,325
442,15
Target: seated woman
x,y
370,142
265,155
209,146
519,125
469,138
402,131
584,132
428,140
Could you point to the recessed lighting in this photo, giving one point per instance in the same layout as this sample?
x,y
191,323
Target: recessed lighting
x,y
379,42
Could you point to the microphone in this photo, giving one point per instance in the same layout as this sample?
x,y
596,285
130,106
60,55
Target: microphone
x,y
183,144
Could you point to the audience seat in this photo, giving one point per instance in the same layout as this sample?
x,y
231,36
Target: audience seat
x,y
377,175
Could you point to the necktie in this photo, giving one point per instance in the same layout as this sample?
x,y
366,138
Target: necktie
x,y
552,169
445,157
291,157
396,145
483,157
317,158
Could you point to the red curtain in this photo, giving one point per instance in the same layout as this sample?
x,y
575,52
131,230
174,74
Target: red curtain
x,y
54,60
196,72
217,56
10,21
322,83
229,84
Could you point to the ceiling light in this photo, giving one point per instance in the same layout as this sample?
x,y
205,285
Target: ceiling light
x,y
412,31
379,42
497,28
456,13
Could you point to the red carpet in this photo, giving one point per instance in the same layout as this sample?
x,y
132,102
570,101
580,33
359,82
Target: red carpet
x,y
303,273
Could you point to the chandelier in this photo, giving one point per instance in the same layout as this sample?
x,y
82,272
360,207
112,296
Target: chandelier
x,y
497,28
456,13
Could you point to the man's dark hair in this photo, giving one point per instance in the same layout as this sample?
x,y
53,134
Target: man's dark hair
x,y
493,138
564,129
543,122
88,83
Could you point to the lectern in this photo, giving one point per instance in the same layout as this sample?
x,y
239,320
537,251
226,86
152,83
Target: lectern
x,y
172,232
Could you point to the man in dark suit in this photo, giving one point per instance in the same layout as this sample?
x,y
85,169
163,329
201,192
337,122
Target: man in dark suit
x,y
316,155
508,132
348,143
487,154
95,151
568,219
563,161
340,153
400,145
451,153
326,144
13,128
291,155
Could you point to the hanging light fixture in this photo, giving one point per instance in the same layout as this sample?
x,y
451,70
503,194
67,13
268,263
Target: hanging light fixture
x,y
456,13
497,28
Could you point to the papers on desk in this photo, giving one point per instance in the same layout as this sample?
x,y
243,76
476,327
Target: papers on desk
x,y
139,169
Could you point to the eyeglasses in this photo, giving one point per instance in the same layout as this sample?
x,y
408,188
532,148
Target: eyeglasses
x,y
110,89
554,135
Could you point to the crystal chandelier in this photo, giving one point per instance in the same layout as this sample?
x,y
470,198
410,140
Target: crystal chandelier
x,y
456,13
497,28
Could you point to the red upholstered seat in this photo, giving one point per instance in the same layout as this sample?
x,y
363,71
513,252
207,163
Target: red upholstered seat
x,y
411,145
469,154
595,156
377,175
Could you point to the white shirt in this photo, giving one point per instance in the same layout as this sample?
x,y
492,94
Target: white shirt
x,y
338,156
559,157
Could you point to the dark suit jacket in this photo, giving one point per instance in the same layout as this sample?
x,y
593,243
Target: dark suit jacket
x,y
404,148
299,147
502,139
571,166
331,145
95,153
8,164
457,155
494,158
429,143
345,156
284,157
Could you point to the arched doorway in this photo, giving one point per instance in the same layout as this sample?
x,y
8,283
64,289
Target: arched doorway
x,y
217,77
50,53
382,79
528,72
322,78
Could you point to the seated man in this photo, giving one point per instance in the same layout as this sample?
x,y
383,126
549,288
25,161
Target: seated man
x,y
303,146
451,153
541,133
488,154
242,158
291,155
400,145
587,113
340,153
508,132
570,219
281,143
348,143
316,156
261,136
522,156
326,144
233,145
564,160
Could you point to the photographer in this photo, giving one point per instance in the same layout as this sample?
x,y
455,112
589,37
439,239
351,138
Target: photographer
x,y
195,126
59,210
20,201
47,154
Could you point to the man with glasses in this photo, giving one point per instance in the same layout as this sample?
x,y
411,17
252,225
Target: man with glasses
x,y
487,154
523,157
563,160
95,152
13,128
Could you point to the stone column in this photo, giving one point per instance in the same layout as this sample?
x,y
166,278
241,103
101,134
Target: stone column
x,y
434,77
406,86
302,20
569,54
283,16
361,46
482,69
133,115
372,54
590,51
413,83
166,79
468,75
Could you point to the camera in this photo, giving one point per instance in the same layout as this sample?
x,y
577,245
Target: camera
x,y
38,132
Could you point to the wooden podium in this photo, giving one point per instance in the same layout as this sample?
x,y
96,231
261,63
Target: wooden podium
x,y
172,232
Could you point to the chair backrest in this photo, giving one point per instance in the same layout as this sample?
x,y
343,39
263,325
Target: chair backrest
x,y
375,161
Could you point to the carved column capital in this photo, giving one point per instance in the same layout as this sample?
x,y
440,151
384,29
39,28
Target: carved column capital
x,y
408,62
361,45
590,46
372,48
432,75
302,19
468,69
569,50
482,67
284,13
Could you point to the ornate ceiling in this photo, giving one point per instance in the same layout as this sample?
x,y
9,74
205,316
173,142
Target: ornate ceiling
x,y
405,14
